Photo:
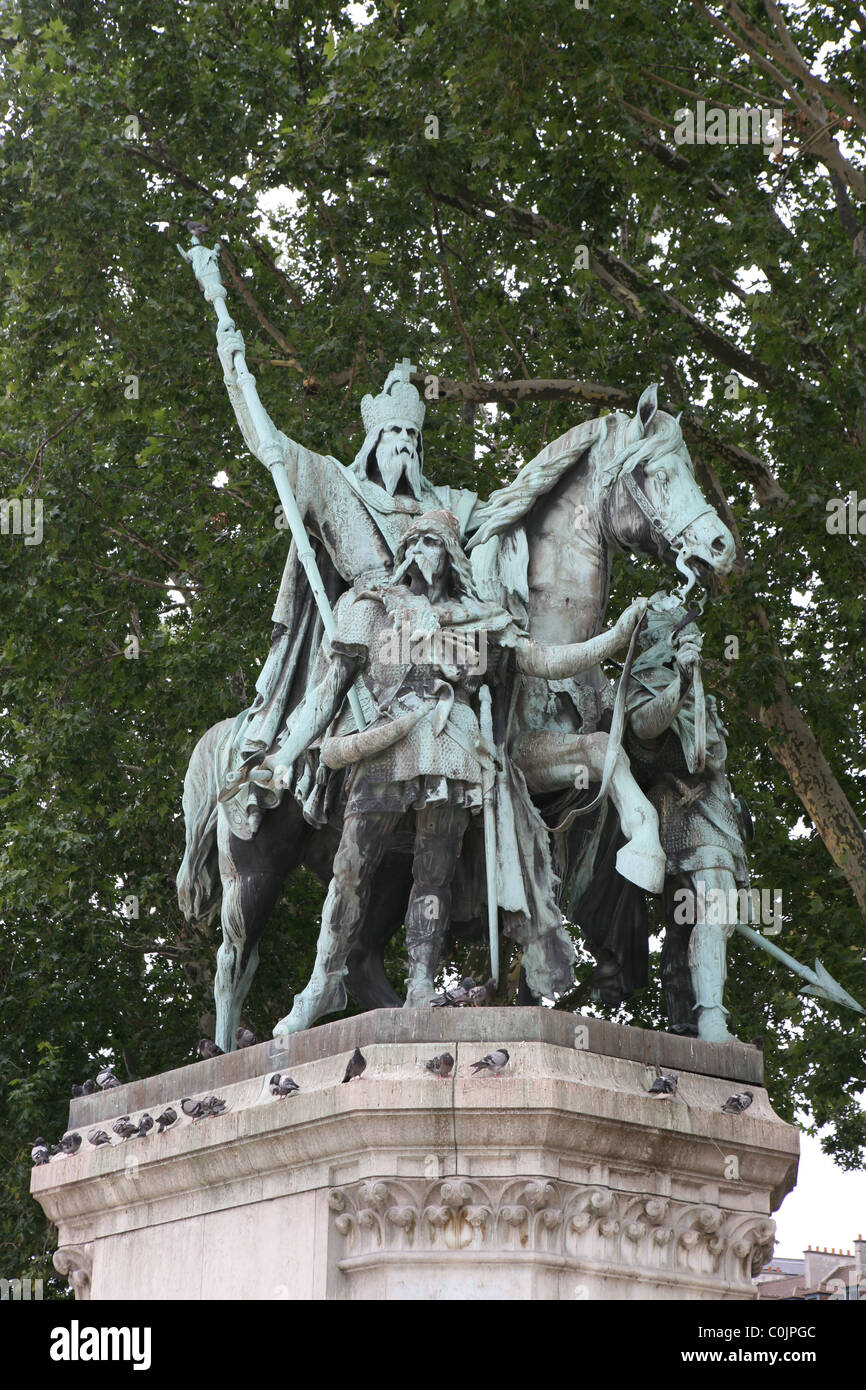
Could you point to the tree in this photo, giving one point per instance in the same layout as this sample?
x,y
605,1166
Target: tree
x,y
433,179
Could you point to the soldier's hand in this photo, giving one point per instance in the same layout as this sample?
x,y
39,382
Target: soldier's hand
x,y
629,620
229,341
688,656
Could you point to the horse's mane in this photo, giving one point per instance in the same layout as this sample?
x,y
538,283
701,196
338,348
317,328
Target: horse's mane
x,y
508,504
634,440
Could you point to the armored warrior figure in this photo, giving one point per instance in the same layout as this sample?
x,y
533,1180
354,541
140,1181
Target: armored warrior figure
x,y
678,752
425,754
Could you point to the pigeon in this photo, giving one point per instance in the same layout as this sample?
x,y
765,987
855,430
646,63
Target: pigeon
x,y
167,1118
70,1144
441,1066
106,1079
40,1153
124,1128
665,1085
736,1104
197,228
208,1049
244,1038
77,1090
145,1125
758,1043
97,1137
203,1109
283,1085
456,997
482,994
87,1089
493,1062
357,1063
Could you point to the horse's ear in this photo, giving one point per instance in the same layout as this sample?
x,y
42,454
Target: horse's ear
x,y
648,405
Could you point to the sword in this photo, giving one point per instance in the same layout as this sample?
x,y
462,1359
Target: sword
x,y
205,264
488,780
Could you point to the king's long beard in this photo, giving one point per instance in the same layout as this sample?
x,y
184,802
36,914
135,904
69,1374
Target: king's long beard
x,y
394,460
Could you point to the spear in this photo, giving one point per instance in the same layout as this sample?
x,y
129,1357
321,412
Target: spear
x,y
820,982
205,264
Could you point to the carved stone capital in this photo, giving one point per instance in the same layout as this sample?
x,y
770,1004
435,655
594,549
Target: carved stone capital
x,y
76,1263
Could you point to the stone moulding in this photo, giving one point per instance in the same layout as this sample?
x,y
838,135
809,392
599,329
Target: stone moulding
x,y
574,1227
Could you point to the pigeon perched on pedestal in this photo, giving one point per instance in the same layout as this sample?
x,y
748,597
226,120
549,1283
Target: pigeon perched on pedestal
x,y
482,994
88,1089
145,1125
665,1085
456,997
736,1104
244,1038
40,1153
70,1144
203,1109
106,1079
357,1063
441,1066
96,1137
282,1086
166,1119
493,1063
124,1128
208,1049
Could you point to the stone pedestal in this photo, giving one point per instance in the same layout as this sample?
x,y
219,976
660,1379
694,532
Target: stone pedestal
x,y
560,1179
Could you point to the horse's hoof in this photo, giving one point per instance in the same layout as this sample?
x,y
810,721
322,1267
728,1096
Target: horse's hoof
x,y
286,1026
645,867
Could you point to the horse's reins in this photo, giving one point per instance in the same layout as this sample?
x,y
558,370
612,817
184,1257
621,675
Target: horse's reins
x,y
614,738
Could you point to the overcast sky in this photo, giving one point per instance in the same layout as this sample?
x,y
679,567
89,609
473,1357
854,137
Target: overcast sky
x,y
827,1207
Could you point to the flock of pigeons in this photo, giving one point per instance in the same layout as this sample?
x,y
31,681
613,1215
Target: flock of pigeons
x,y
466,994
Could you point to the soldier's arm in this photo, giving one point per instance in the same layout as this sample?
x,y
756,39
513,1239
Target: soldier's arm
x,y
320,707
650,720
559,663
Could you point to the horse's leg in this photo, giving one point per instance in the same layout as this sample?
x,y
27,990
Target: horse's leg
x,y
550,761
252,872
362,846
676,981
366,980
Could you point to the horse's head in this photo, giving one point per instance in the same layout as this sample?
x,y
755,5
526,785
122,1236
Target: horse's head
x,y
648,498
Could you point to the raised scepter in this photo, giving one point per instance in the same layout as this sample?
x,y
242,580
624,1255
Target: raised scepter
x,y
205,263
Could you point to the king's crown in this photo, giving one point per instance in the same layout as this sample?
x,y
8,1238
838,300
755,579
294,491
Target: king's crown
x,y
399,401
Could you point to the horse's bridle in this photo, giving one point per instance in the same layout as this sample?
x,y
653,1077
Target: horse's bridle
x,y
669,530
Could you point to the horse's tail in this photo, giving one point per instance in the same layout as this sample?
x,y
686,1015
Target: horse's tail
x,y
199,889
